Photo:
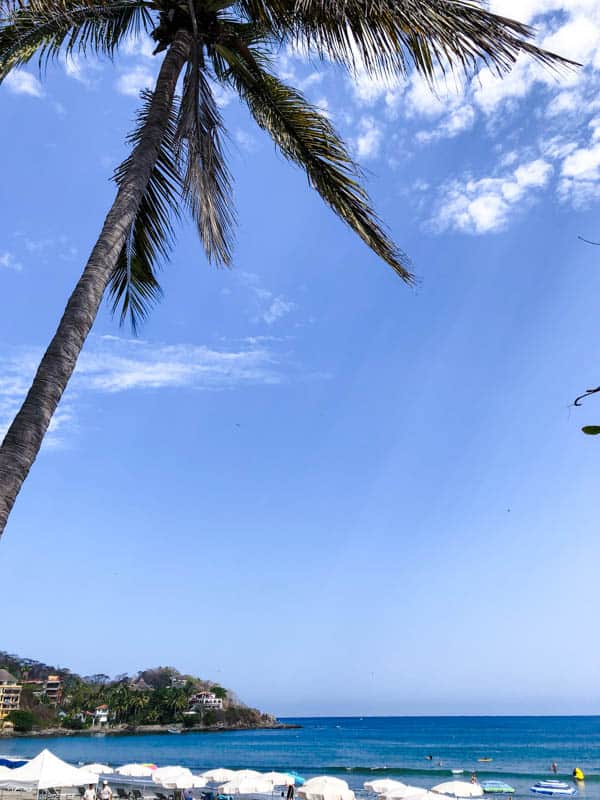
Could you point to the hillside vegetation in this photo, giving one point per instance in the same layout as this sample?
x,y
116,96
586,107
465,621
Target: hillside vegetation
x,y
157,696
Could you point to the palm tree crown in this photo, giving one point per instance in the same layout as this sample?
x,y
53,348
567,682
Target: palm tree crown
x,y
234,42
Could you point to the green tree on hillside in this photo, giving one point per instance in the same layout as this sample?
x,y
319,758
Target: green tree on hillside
x,y
177,157
23,721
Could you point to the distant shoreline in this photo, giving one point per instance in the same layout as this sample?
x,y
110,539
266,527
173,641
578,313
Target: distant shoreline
x,y
130,730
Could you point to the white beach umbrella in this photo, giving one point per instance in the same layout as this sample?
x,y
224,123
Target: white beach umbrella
x,y
98,769
219,775
185,782
136,770
324,787
177,778
405,792
247,786
418,793
164,773
47,771
280,778
242,774
458,789
384,785
325,780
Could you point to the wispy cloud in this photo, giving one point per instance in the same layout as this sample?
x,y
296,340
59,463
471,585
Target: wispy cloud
x,y
38,249
111,364
267,306
9,261
277,309
246,140
19,81
115,364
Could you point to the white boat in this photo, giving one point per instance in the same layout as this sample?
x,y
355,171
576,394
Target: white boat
x,y
554,788
457,771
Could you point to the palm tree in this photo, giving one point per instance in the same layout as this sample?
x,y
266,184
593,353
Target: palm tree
x,y
177,158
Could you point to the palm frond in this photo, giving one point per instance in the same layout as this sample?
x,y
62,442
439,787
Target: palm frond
x,y
308,138
134,286
386,36
45,27
206,181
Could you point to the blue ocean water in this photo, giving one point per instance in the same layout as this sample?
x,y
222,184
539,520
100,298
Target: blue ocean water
x,y
522,749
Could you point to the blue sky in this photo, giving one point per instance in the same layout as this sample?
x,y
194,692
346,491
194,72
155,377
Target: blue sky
x,y
303,479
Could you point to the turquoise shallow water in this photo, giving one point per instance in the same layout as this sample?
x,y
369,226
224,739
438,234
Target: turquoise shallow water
x,y
522,748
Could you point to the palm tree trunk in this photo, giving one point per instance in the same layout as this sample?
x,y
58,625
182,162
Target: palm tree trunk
x,y
24,437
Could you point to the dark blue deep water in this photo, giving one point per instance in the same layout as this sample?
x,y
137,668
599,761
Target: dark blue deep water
x,y
522,748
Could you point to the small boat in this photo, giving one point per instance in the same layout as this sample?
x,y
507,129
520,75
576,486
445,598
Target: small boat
x,y
484,760
173,730
554,788
497,787
457,771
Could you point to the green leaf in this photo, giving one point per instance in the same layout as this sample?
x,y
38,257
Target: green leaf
x,y
47,26
591,430
308,138
386,36
206,182
134,285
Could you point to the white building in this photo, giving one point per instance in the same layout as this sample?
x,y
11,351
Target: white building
x,y
101,716
206,700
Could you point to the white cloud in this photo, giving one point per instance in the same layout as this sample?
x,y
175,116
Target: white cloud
x,y
368,141
223,97
566,97
583,163
564,102
80,69
458,120
132,82
277,309
246,140
266,306
313,79
368,89
8,261
138,46
21,82
485,205
122,364
579,164
580,175
114,364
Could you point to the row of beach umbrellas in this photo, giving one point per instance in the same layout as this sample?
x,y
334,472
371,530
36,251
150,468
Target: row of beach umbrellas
x,y
47,770
228,781
388,789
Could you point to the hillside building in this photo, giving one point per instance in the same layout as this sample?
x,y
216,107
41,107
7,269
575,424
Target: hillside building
x,y
205,700
53,689
10,694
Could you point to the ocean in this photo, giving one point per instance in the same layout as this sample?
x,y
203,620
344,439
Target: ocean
x,y
522,749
